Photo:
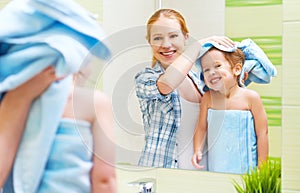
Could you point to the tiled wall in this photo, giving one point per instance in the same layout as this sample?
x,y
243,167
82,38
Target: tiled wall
x,y
262,22
291,96
275,26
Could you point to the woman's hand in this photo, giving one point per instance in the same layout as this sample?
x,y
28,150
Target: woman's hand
x,y
222,40
14,109
35,86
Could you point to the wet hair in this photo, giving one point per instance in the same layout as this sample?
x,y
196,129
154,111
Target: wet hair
x,y
234,58
170,14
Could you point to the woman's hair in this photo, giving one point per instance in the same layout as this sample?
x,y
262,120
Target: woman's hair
x,y
168,13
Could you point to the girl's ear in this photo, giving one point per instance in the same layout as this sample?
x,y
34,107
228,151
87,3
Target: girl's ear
x,y
237,69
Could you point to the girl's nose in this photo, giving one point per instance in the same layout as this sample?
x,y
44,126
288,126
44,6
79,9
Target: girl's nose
x,y
212,72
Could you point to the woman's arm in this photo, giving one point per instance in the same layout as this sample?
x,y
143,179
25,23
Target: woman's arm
x,y
103,173
14,109
177,71
201,131
261,127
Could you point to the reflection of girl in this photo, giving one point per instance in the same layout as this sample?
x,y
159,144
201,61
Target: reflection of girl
x,y
162,89
233,117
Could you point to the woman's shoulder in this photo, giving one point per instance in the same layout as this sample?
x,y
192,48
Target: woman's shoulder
x,y
148,73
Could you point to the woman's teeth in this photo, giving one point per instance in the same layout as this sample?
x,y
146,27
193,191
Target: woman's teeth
x,y
168,53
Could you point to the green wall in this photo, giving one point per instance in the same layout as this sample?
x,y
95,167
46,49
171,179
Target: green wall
x,y
261,21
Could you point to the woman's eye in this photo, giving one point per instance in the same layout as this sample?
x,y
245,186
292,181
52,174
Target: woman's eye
x,y
157,38
174,36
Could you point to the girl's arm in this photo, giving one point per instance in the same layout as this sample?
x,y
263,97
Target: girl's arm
x,y
103,173
14,109
261,127
201,131
177,71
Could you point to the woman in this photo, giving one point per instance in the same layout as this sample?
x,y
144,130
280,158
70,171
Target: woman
x,y
169,90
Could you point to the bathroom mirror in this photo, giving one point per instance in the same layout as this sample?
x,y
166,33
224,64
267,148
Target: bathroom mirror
x,y
132,53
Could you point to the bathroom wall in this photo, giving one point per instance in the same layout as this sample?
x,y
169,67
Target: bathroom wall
x,y
265,28
291,96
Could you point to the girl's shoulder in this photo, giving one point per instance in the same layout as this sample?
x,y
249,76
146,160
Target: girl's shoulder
x,y
88,101
250,94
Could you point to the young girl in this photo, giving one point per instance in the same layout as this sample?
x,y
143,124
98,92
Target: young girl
x,y
231,117
82,146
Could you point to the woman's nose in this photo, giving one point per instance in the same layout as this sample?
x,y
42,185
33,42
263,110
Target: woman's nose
x,y
166,43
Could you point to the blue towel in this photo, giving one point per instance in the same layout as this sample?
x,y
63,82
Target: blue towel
x,y
231,139
258,66
35,34
69,172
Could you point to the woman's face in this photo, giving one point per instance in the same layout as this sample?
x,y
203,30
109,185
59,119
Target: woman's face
x,y
167,40
217,71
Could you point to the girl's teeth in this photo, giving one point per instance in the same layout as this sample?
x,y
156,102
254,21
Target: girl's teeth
x,y
214,80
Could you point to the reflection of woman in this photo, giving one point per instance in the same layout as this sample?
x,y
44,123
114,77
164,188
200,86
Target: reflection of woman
x,y
233,117
169,91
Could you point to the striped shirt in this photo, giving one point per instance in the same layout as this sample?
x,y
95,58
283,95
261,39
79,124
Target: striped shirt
x,y
161,118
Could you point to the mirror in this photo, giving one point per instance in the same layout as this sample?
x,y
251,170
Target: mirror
x,y
137,54
231,18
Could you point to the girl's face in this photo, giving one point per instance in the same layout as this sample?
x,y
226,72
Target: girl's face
x,y
218,74
167,40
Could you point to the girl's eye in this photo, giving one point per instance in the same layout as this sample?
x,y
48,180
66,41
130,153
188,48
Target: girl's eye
x,y
218,65
205,70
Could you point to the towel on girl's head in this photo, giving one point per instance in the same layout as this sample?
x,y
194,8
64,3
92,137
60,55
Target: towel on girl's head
x,y
258,66
33,35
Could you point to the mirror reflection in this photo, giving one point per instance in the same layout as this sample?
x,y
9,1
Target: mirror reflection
x,y
129,62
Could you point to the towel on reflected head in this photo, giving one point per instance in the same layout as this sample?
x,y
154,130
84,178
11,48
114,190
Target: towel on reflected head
x,y
258,66
35,34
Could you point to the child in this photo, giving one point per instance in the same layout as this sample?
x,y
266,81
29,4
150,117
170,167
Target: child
x,y
82,146
232,117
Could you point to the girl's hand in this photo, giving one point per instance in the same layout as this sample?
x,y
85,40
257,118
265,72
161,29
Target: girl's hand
x,y
197,157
